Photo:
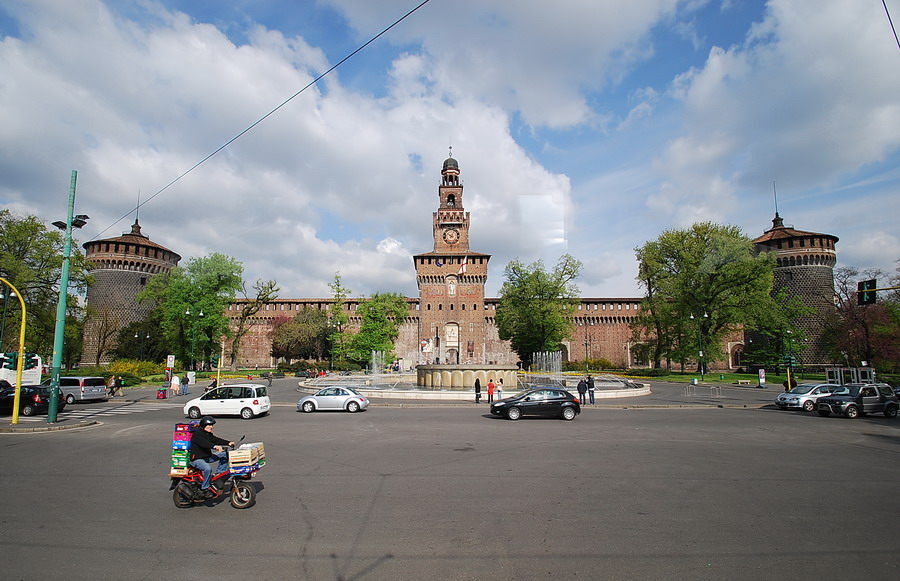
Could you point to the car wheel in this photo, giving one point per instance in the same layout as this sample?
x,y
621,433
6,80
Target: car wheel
x,y
28,410
852,412
568,413
824,413
247,414
309,407
353,407
70,399
890,411
809,405
513,413
194,413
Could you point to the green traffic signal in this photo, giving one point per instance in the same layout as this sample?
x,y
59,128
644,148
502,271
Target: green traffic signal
x,y
31,361
865,292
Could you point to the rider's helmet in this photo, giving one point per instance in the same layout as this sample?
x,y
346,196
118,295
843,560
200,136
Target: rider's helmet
x,y
207,421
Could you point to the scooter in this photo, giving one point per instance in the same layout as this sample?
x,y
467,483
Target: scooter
x,y
186,489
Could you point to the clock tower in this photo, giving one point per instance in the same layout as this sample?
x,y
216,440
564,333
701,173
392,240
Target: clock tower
x,y
451,281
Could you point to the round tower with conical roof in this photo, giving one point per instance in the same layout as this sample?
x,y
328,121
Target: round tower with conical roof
x,y
120,267
804,267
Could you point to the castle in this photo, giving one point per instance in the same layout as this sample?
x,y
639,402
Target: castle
x,y
451,320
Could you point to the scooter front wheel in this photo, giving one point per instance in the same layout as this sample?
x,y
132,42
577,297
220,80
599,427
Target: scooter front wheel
x,y
183,496
243,495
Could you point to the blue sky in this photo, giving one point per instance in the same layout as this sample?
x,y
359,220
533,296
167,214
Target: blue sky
x,y
579,126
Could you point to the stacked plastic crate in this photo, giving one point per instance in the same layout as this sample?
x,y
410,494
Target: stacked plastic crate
x,y
181,449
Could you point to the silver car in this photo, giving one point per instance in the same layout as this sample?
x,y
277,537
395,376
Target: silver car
x,y
334,398
804,396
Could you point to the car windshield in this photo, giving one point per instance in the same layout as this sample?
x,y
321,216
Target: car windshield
x,y
844,390
803,388
351,390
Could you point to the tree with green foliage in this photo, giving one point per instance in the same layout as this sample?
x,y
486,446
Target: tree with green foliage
x,y
191,301
338,321
305,336
141,340
266,291
870,333
702,284
382,316
536,306
31,258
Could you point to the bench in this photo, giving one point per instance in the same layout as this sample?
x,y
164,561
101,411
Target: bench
x,y
742,382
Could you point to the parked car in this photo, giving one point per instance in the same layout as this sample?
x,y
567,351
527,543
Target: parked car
x,y
34,399
804,396
334,398
81,388
538,402
247,400
859,399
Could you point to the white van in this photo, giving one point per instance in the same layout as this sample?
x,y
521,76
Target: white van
x,y
247,400
83,388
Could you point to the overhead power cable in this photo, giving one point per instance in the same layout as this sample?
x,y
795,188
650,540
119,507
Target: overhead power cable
x,y
264,117
891,22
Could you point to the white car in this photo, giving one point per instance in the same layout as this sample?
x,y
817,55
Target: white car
x,y
804,396
247,400
334,398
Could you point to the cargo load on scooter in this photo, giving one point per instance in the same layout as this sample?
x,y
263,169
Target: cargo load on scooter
x,y
181,448
247,458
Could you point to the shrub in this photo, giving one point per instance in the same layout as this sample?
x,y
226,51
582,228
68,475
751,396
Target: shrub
x,y
649,372
135,368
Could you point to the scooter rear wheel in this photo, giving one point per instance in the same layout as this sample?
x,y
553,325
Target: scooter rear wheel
x,y
243,495
183,496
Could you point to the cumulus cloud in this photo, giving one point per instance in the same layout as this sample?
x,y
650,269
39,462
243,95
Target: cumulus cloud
x,y
560,148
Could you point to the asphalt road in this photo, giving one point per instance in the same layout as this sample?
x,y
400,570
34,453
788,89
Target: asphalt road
x,y
448,492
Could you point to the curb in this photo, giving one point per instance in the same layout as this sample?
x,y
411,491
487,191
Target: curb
x,y
55,428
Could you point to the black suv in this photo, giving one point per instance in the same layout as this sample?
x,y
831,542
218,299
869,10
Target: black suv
x,y
858,399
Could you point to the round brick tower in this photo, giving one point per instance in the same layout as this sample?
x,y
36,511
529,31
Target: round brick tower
x,y
805,268
121,268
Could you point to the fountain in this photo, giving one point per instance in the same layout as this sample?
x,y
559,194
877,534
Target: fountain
x,y
547,365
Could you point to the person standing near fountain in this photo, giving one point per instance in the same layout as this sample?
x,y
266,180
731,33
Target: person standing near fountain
x,y
477,390
491,390
500,389
582,388
590,388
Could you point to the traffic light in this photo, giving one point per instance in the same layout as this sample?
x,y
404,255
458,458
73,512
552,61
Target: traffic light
x,y
790,360
865,292
9,360
31,361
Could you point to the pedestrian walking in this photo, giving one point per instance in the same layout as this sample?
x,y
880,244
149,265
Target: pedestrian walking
x,y
491,387
582,388
590,387
174,385
477,390
120,386
111,386
184,384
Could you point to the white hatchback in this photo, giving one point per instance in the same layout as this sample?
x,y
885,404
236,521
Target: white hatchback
x,y
247,400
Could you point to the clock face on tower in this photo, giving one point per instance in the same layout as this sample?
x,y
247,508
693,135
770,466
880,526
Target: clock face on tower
x,y
451,236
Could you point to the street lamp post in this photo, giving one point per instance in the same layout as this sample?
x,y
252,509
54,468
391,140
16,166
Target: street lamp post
x,y
141,350
700,341
59,332
193,335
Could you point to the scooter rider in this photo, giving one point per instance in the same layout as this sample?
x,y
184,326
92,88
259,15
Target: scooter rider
x,y
207,448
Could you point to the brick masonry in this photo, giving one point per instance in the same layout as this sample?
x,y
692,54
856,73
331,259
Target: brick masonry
x,y
121,267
